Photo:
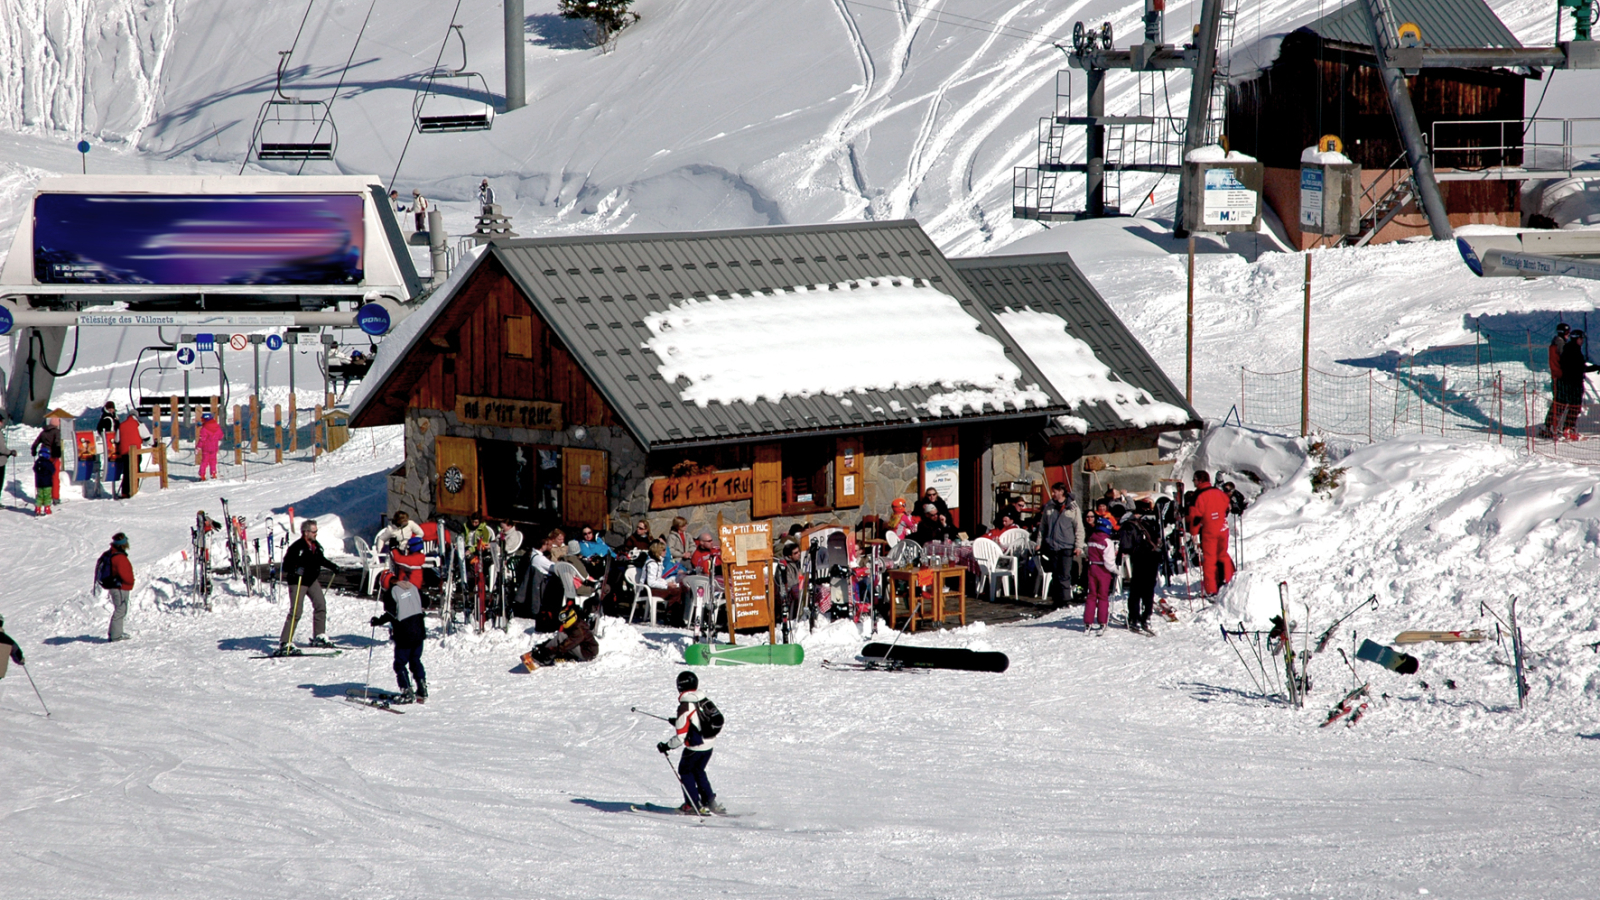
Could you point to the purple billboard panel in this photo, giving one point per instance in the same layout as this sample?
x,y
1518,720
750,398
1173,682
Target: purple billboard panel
x,y
199,239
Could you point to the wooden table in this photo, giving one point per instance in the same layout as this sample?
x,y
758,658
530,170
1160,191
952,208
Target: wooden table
x,y
930,585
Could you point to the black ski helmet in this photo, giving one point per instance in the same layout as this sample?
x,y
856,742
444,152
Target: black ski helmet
x,y
687,681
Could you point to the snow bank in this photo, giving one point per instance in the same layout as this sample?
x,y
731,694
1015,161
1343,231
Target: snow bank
x,y
1079,376
1270,460
1211,153
1324,157
835,339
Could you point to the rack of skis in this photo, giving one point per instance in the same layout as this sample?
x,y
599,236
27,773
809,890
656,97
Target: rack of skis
x,y
1280,670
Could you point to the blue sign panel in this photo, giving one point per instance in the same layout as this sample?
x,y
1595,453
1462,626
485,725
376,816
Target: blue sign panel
x,y
205,343
185,357
373,319
274,342
5,320
183,239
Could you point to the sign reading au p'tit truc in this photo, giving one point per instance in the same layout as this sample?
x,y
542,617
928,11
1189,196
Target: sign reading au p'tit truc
x,y
508,413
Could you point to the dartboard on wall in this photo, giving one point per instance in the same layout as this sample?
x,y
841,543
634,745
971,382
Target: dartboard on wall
x,y
454,480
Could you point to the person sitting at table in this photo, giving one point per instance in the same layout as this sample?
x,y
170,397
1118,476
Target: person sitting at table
x,y
931,495
1006,521
590,546
900,522
932,526
707,557
653,576
400,530
638,542
679,544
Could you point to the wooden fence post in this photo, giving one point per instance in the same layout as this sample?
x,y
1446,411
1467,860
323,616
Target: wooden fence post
x,y
173,415
255,424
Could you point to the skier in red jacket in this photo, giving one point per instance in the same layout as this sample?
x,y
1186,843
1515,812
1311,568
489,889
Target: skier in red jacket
x,y
1208,521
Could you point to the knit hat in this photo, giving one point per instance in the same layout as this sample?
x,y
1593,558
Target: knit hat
x,y
119,540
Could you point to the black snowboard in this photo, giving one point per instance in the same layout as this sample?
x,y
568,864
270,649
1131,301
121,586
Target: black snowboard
x,y
938,658
1388,657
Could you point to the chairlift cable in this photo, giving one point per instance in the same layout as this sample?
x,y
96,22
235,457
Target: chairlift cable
x,y
412,133
327,110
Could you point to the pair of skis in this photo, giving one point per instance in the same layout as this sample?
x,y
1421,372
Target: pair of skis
x,y
1350,709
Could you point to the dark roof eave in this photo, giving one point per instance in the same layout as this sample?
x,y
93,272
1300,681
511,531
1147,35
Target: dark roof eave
x,y
1055,432
853,428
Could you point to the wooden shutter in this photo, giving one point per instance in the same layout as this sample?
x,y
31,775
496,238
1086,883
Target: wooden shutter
x,y
583,486
849,473
766,477
519,336
456,465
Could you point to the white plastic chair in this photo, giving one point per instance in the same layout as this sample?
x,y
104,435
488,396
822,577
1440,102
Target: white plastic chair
x,y
567,572
372,564
905,553
891,539
513,542
641,594
705,598
987,555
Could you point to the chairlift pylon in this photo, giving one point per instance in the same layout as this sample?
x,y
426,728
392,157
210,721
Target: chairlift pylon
x,y
446,104
291,128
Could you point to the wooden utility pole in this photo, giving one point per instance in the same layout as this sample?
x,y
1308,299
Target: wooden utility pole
x,y
1188,338
1305,355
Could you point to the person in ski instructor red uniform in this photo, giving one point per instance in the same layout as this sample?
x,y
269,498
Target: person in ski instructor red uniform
x,y
128,440
1208,521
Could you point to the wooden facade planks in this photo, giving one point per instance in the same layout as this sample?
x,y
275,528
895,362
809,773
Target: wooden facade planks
x,y
1318,87
465,352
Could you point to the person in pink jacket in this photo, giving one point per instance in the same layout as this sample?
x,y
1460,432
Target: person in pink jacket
x,y
208,440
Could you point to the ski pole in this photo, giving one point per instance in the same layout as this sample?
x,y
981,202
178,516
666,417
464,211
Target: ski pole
x,y
36,691
372,641
650,714
681,786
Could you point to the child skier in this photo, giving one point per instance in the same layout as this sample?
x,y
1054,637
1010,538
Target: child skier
x,y
1102,570
402,612
572,641
44,476
208,440
696,750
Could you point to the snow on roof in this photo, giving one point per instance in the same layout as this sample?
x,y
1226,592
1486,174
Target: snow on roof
x,y
835,339
1211,153
1079,376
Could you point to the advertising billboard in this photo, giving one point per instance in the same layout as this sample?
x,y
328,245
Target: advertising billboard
x,y
199,239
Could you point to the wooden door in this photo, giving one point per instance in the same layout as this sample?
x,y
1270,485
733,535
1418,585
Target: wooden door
x,y
766,481
583,486
849,473
456,464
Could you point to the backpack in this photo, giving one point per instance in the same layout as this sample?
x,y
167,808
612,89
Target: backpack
x,y
711,719
105,574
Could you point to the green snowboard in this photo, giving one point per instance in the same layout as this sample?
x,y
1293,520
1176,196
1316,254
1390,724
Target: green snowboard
x,y
730,655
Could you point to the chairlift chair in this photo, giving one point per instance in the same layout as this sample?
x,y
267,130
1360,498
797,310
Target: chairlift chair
x,y
291,128
447,103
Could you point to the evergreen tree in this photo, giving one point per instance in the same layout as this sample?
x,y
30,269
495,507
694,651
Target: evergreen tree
x,y
608,16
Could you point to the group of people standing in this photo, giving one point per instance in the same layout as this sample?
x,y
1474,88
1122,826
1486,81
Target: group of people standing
x,y
1100,539
1568,366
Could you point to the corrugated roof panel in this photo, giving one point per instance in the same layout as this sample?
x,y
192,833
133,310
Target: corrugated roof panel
x,y
1053,283
1459,24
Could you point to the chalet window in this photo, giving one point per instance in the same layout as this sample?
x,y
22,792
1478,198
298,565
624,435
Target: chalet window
x,y
792,478
519,337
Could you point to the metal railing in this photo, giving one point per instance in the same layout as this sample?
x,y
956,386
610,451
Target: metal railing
x,y
1543,144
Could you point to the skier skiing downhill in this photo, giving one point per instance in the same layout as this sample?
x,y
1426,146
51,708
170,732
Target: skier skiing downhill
x,y
303,562
1208,521
702,800
208,441
402,612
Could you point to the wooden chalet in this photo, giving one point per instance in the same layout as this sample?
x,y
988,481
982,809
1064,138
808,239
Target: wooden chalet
x,y
528,393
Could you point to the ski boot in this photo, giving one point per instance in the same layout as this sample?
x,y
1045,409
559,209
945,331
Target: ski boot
x,y
322,641
689,809
38,510
288,650
406,697
716,808
422,691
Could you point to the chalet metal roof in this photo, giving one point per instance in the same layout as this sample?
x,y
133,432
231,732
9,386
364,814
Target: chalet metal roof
x,y
595,292
1051,282
1457,24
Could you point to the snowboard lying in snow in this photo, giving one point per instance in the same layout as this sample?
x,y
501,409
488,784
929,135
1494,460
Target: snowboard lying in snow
x,y
938,658
1388,657
731,655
